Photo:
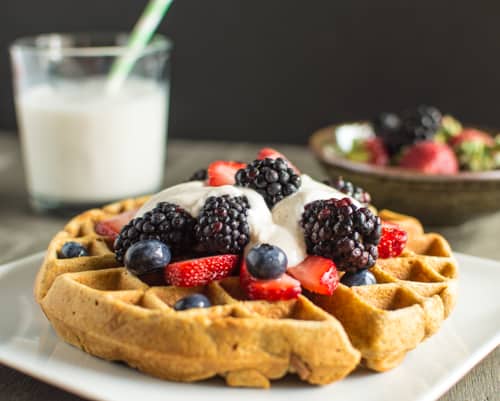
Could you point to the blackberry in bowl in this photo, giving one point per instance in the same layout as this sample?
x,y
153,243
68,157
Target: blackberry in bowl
x,y
411,127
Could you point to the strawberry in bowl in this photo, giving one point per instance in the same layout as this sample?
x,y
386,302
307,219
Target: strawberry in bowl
x,y
419,161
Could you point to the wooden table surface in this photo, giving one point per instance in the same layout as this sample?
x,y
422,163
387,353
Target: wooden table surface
x,y
23,233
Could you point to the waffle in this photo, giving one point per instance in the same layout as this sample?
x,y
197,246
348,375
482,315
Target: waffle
x,y
98,306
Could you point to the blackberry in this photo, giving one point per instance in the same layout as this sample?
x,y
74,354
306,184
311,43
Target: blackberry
x,y
387,126
272,178
339,230
350,189
167,223
415,126
199,175
222,225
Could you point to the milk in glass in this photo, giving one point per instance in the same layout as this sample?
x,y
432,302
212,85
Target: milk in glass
x,y
83,145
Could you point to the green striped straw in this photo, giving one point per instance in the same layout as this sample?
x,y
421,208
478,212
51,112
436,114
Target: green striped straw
x,y
139,38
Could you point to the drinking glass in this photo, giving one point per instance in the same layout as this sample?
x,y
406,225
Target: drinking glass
x,y
84,143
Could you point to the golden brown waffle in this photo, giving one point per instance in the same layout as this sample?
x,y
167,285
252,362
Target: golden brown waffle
x,y
99,307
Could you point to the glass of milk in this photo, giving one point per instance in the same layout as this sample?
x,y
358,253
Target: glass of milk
x,y
83,144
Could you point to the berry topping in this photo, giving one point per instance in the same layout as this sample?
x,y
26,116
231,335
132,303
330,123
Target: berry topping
x,y
362,277
222,172
147,256
282,288
272,178
350,189
415,126
222,225
73,250
167,223
316,274
392,241
194,272
337,229
112,227
270,153
266,261
192,301
430,158
199,175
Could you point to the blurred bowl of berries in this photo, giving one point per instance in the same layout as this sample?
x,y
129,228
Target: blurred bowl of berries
x,y
418,162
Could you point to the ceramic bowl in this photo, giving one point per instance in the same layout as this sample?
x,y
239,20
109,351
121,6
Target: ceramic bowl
x,y
434,199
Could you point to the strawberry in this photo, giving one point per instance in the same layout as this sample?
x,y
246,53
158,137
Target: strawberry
x,y
377,151
222,172
316,274
112,227
472,135
201,271
279,289
430,157
392,240
371,150
271,153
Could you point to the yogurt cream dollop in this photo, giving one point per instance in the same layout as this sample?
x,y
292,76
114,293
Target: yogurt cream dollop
x,y
279,227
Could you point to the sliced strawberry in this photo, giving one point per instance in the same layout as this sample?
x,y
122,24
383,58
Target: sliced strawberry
x,y
316,274
430,158
392,241
112,227
222,172
193,272
280,289
271,153
472,135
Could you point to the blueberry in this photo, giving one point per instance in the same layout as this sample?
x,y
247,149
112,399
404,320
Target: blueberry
x,y
147,256
73,250
266,261
192,301
361,277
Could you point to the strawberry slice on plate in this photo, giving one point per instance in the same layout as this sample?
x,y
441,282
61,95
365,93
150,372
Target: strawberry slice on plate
x,y
222,172
316,274
201,271
270,153
392,240
279,289
113,226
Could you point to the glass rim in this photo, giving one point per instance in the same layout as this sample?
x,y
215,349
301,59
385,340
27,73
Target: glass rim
x,y
63,43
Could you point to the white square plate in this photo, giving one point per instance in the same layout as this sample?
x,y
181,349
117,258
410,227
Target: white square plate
x,y
28,343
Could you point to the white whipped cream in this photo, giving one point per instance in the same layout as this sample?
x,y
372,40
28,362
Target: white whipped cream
x,y
279,227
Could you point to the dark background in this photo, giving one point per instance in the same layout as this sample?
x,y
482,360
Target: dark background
x,y
269,70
